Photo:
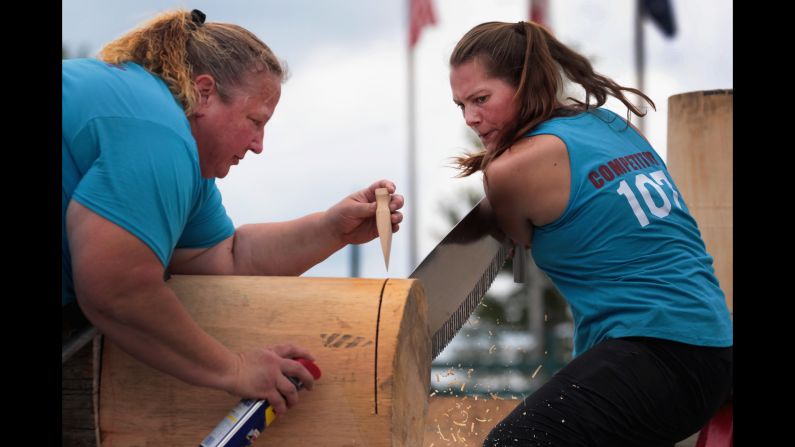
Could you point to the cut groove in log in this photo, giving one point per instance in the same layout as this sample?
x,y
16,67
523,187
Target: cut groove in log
x,y
375,360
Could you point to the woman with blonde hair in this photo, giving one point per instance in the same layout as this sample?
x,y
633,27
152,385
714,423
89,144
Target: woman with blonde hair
x,y
147,128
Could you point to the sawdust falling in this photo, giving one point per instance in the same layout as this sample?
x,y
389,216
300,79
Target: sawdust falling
x,y
462,423
459,423
441,435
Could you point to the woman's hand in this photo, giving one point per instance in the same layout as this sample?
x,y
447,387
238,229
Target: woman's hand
x,y
353,218
262,374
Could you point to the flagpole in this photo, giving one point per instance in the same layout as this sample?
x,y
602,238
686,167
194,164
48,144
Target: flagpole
x,y
420,14
411,190
640,58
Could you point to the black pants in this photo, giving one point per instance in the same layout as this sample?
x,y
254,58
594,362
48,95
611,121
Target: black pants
x,y
633,391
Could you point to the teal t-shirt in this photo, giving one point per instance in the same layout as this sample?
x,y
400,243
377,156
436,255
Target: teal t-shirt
x,y
626,253
128,155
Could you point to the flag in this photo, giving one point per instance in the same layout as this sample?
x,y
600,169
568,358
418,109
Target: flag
x,y
539,12
661,13
420,15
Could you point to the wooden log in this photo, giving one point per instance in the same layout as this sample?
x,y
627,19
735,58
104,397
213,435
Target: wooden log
x,y
369,336
700,159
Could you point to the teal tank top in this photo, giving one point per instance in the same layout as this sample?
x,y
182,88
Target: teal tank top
x,y
626,253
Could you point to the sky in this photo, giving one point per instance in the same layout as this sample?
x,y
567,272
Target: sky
x,y
342,120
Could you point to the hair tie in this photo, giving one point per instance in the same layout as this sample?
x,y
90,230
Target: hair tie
x,y
197,17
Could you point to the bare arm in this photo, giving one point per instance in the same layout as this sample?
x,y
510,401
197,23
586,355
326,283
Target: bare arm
x,y
120,288
293,247
528,185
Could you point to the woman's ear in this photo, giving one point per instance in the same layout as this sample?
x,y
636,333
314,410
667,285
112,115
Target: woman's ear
x,y
205,87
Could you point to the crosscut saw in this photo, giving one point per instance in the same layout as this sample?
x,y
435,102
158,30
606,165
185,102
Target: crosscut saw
x,y
458,272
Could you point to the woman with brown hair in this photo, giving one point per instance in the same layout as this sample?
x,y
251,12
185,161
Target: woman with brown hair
x,y
605,221
147,128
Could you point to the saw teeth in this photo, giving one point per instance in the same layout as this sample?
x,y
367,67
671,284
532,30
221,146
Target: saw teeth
x,y
446,333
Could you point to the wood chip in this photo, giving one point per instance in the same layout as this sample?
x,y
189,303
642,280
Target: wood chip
x,y
439,430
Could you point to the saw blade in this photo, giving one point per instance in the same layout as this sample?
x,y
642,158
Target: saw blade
x,y
459,271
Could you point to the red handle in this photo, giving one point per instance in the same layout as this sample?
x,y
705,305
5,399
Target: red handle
x,y
310,366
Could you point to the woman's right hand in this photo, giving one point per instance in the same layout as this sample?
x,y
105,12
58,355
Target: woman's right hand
x,y
262,374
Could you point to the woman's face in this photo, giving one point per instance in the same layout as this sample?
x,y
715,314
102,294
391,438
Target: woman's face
x,y
485,102
226,131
